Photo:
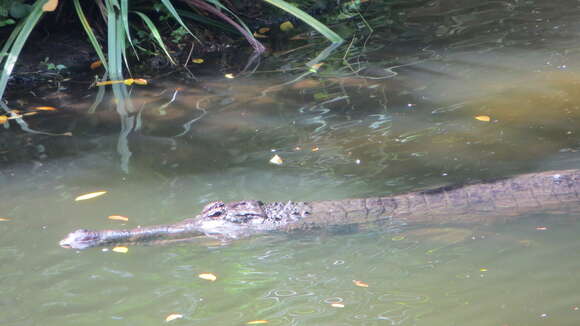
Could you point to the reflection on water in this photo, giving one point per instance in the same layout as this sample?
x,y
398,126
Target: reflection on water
x,y
399,117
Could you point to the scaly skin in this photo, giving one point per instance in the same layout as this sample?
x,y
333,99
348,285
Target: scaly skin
x,y
481,203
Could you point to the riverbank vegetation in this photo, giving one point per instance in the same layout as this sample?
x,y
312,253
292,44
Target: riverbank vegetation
x,y
123,32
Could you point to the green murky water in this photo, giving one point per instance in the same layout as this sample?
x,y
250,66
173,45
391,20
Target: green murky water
x,y
404,120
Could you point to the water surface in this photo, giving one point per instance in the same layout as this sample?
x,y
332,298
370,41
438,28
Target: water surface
x,y
401,118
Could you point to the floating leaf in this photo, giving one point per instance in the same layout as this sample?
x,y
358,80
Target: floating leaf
x,y
315,148
3,219
277,160
316,67
3,119
299,37
263,30
128,82
140,81
197,60
207,276
118,218
121,249
360,283
483,269
286,26
541,228
525,243
45,108
109,82
398,238
257,322
229,76
90,195
484,118
96,64
337,305
173,317
50,5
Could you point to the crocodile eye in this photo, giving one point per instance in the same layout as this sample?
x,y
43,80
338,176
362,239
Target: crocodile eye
x,y
214,209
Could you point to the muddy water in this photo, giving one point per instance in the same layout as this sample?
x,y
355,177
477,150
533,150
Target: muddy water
x,y
404,118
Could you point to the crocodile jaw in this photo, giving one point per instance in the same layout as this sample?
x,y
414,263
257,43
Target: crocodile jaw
x,y
80,239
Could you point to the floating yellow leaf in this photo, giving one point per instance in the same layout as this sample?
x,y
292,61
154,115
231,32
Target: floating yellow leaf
x,y
398,238
484,118
360,283
45,108
128,82
541,228
121,249
108,82
525,243
337,305
90,195
257,322
197,60
229,76
96,64
315,67
258,35
173,317
3,119
483,269
207,276
286,26
315,148
302,36
263,30
50,5
118,218
277,160
3,219
140,81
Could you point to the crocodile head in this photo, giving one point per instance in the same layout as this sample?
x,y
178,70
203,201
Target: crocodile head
x,y
80,239
243,218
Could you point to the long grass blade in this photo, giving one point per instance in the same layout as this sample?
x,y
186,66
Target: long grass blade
x,y
155,33
12,54
113,50
121,41
90,34
258,47
205,20
125,20
306,18
8,43
173,12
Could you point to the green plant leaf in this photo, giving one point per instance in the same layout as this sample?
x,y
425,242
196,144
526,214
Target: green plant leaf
x,y
19,10
90,34
155,33
303,16
20,33
173,12
125,20
113,47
